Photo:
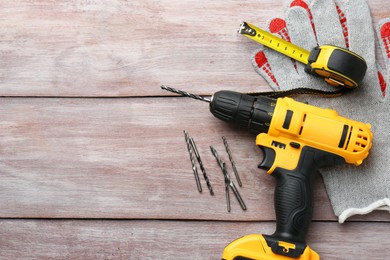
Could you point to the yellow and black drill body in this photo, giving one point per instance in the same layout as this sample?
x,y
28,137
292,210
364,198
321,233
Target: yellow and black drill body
x,y
297,139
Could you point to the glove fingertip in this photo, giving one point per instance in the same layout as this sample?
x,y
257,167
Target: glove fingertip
x,y
300,27
300,3
262,67
276,25
383,32
382,22
260,59
290,3
279,26
383,35
307,7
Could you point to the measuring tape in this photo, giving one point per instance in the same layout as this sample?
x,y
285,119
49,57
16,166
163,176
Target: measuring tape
x,y
338,66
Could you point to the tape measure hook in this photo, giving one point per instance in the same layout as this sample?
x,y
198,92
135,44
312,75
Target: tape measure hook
x,y
246,29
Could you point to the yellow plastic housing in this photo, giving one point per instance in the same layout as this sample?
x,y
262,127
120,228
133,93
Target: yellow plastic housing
x,y
321,66
295,125
255,247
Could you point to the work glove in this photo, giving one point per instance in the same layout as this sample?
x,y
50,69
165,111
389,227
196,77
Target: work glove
x,y
351,189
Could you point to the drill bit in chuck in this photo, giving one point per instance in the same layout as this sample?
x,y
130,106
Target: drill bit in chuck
x,y
185,94
254,113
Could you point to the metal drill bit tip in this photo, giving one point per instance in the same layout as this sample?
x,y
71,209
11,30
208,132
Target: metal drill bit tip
x,y
185,94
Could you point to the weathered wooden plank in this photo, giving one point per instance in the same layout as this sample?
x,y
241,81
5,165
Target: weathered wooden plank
x,y
125,158
129,48
115,158
67,239
98,48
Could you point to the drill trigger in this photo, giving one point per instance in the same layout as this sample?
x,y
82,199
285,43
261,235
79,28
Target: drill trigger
x,y
268,159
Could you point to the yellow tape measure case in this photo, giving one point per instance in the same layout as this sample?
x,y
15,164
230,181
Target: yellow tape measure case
x,y
337,65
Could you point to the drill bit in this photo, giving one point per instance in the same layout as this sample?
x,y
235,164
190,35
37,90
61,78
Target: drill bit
x,y
197,155
233,186
185,94
194,169
223,168
228,181
226,187
231,160
216,155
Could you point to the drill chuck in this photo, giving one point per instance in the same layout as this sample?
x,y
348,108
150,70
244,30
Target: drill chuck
x,y
254,113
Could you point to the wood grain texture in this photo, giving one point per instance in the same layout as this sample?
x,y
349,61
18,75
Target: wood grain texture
x,y
125,48
68,239
123,158
129,48
95,164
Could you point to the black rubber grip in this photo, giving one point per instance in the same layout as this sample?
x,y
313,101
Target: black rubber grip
x,y
293,206
294,200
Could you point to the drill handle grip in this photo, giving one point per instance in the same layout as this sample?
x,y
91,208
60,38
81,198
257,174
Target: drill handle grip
x,y
294,199
293,208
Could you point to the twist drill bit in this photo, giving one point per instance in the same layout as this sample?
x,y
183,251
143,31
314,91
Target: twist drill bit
x,y
231,160
223,168
194,169
226,187
228,181
216,155
185,94
197,155
233,186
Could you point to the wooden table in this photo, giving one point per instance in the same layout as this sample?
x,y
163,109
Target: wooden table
x,y
93,159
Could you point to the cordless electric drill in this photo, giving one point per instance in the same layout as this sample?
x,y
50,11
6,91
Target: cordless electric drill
x,y
297,139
